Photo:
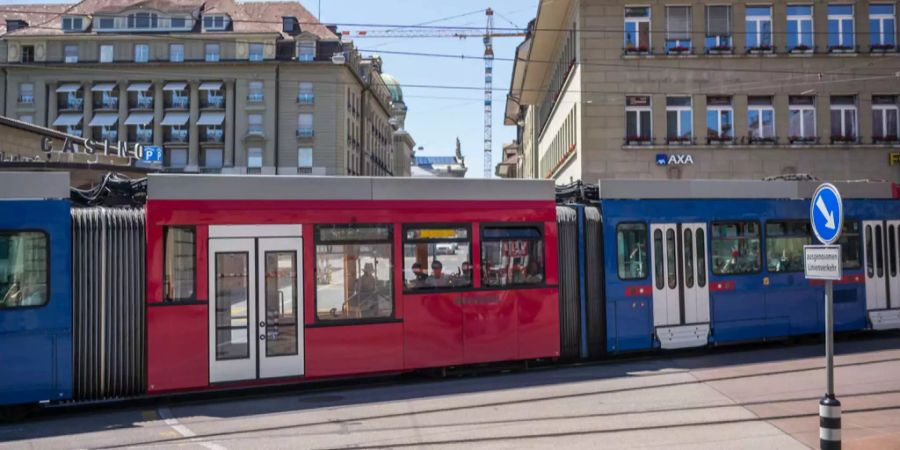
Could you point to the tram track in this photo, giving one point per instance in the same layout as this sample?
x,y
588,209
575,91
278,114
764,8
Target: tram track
x,y
296,428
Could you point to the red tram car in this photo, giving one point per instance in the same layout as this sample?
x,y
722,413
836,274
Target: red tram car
x,y
258,279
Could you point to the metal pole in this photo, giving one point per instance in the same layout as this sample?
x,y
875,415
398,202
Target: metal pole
x,y
829,406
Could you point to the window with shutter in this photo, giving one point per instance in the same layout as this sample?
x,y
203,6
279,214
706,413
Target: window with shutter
x,y
678,29
718,28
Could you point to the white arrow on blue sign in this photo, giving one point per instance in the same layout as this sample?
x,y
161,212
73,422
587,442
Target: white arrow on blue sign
x,y
826,213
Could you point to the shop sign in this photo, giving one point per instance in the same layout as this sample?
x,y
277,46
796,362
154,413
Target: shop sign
x,y
122,149
674,159
894,158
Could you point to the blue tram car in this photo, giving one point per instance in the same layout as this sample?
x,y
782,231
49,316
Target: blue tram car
x,y
696,263
35,288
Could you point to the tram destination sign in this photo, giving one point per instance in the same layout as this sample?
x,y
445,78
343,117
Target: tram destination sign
x,y
822,262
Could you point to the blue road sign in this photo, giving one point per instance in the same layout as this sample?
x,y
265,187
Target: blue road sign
x,y
826,213
152,153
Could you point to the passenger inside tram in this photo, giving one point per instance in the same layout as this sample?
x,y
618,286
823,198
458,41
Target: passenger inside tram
x,y
438,278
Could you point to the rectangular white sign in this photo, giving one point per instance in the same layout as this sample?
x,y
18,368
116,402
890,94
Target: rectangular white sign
x,y
822,262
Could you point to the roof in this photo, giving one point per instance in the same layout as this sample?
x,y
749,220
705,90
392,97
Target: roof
x,y
247,17
394,86
286,187
433,160
34,185
732,189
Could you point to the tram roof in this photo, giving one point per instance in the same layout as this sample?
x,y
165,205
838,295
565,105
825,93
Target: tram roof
x,y
286,187
34,185
734,189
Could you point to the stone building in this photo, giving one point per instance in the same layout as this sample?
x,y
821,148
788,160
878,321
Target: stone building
x,y
665,89
442,166
219,85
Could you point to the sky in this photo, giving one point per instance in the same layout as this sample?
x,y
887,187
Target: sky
x,y
436,117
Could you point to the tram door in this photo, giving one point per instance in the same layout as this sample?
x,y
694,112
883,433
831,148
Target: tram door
x,y
881,254
256,306
680,288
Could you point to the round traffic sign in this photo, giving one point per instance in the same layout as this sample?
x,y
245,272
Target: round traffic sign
x,y
826,213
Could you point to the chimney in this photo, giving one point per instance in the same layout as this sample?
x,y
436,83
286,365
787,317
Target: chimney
x,y
290,25
333,29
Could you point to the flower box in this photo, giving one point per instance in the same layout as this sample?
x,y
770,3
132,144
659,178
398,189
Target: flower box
x,y
631,49
678,50
841,48
719,139
719,49
760,49
802,48
843,139
882,47
763,140
802,139
637,140
889,139
679,140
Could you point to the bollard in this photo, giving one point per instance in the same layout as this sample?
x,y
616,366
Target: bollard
x,y
829,423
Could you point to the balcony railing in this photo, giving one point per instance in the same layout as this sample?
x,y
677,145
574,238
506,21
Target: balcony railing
x,y
107,103
26,99
107,135
143,136
212,136
74,131
143,102
255,130
255,97
179,102
177,136
214,102
72,104
305,133
306,98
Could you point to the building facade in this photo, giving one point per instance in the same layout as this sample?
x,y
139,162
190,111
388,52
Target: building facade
x,y
664,89
452,166
218,85
512,165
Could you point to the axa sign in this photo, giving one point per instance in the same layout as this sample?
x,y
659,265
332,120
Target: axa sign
x,y
674,159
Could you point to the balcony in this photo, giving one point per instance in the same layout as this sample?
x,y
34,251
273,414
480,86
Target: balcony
x,y
106,102
178,102
74,131
255,97
144,136
26,99
213,101
306,98
108,135
212,136
255,130
305,133
142,102
71,103
176,136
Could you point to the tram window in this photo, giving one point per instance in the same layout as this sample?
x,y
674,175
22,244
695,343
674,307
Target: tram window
x,y
631,241
24,267
701,258
892,250
849,242
512,256
180,255
735,248
354,270
879,252
870,258
670,258
658,259
688,258
784,245
437,257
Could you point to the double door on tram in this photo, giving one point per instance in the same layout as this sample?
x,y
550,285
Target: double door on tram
x,y
256,302
680,284
881,258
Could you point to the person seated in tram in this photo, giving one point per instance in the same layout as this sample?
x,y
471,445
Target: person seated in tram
x,y
367,292
464,277
438,279
533,273
420,276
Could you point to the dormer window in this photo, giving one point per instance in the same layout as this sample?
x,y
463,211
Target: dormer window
x,y
106,22
214,23
143,20
72,24
178,22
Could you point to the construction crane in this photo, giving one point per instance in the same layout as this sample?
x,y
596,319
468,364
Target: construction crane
x,y
488,93
461,33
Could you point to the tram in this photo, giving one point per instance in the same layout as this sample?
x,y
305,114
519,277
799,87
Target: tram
x,y
221,282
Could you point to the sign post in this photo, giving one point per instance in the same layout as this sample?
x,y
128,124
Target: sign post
x,y
823,262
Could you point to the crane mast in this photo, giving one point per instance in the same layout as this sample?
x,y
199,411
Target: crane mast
x,y
488,92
